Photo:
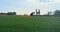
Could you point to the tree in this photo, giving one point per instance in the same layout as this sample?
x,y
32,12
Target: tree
x,y
14,13
49,13
57,13
2,13
11,13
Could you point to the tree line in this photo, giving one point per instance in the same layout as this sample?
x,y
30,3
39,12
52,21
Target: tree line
x,y
9,13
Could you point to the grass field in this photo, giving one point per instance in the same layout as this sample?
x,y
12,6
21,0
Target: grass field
x,y
29,24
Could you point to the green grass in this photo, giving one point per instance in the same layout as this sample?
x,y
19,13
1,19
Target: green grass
x,y
29,24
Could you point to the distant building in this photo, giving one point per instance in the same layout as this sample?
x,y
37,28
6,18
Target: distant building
x,y
37,12
32,13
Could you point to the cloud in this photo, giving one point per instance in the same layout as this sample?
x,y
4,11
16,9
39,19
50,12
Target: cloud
x,y
43,1
56,1
39,1
31,1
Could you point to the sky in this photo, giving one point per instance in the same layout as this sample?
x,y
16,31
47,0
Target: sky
x,y
27,6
